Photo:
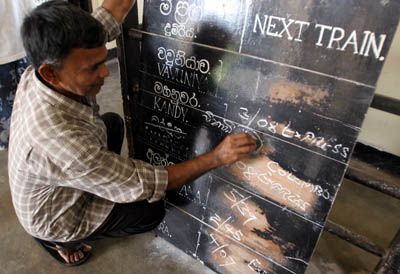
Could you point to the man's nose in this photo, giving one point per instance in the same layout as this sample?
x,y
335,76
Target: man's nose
x,y
104,71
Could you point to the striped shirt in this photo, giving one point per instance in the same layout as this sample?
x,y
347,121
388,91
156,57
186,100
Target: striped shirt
x,y
63,180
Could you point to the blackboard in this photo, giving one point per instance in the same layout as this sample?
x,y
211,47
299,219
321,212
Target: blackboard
x,y
298,75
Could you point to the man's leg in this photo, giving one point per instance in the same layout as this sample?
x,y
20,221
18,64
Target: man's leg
x,y
115,131
69,254
75,252
125,219
130,218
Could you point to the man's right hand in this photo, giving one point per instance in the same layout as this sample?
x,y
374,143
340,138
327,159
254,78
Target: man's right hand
x,y
234,147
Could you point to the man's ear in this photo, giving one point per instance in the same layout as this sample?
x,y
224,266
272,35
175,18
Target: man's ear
x,y
49,74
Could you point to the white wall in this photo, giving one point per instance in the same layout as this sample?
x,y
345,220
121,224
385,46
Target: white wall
x,y
140,10
380,129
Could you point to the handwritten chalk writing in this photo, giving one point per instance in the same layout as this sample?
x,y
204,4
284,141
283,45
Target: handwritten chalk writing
x,y
224,125
339,148
274,167
181,76
254,133
187,192
165,142
177,67
184,14
178,30
172,146
337,35
156,159
255,265
250,172
364,43
280,27
179,59
165,7
221,251
167,107
166,127
167,55
284,130
219,71
239,203
38,2
227,228
164,229
176,96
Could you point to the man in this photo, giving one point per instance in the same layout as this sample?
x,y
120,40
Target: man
x,y
68,183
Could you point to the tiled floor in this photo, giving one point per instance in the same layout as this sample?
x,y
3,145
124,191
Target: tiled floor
x,y
363,210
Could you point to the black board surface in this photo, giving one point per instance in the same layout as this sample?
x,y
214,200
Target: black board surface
x,y
299,75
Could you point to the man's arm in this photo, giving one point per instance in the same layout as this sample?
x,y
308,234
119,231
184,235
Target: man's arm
x,y
94,169
118,8
234,147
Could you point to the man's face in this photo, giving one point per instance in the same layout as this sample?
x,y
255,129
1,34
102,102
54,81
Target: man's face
x,y
83,71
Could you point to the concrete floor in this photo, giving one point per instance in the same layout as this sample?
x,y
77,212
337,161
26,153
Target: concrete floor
x,y
362,210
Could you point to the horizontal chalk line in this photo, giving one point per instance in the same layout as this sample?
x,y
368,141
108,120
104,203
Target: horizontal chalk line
x,y
261,59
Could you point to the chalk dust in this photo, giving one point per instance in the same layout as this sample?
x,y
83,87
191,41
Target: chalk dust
x,y
289,191
236,259
248,235
296,93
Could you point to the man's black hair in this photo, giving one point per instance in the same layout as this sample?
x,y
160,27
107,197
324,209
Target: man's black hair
x,y
53,29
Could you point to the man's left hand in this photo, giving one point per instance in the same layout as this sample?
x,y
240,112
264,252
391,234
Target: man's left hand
x,y
118,8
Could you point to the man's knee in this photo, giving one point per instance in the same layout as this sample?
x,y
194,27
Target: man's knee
x,y
156,213
143,216
113,121
115,131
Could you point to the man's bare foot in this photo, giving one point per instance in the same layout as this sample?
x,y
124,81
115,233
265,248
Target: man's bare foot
x,y
75,256
72,256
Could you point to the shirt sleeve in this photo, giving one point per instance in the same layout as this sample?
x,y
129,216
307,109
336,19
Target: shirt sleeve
x,y
111,26
86,165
